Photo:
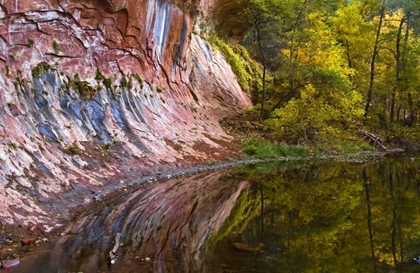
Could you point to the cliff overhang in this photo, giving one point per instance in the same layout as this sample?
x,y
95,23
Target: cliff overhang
x,y
95,92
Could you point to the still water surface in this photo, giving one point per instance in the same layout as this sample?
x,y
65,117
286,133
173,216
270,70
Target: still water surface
x,y
323,216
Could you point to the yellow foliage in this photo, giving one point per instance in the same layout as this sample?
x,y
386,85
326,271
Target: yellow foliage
x,y
320,49
315,116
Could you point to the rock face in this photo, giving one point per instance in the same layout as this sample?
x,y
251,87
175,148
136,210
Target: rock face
x,y
93,90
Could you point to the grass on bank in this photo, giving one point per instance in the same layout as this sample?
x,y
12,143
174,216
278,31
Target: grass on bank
x,y
262,148
352,147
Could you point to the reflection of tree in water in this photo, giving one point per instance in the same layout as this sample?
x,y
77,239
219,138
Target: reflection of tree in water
x,y
395,218
274,217
326,217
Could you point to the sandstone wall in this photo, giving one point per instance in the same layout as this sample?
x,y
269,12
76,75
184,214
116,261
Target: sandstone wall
x,y
87,73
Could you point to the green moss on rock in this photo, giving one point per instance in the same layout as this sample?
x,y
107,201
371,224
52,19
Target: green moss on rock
x,y
40,70
247,71
83,87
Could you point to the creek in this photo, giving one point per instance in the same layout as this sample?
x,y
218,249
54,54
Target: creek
x,y
288,216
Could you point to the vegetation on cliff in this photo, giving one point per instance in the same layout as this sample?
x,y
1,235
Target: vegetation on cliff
x,y
246,69
332,72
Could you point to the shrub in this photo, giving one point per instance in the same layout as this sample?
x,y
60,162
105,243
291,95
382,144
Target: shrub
x,y
73,149
40,70
193,108
99,76
126,83
30,42
56,47
108,146
83,87
139,79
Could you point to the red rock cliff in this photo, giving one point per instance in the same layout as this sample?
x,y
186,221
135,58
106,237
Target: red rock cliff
x,y
76,75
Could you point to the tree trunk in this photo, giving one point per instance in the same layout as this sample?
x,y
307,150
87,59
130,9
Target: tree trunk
x,y
262,210
264,63
349,62
394,220
412,117
263,93
373,61
398,57
291,66
369,218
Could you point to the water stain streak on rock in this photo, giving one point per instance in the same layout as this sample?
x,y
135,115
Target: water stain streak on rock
x,y
92,92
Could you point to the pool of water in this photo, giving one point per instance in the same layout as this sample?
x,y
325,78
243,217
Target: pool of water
x,y
318,216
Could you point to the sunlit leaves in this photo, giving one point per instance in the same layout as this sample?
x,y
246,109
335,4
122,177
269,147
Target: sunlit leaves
x,y
323,56
316,116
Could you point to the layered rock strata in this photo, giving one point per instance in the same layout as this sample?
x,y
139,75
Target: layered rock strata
x,y
90,87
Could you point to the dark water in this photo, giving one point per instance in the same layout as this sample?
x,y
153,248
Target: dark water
x,y
276,217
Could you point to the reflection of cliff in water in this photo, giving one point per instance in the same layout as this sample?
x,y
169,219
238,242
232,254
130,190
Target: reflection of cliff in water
x,y
168,222
323,217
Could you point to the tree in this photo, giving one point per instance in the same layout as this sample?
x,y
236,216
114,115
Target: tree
x,y
409,12
263,16
373,59
332,65
278,25
324,104
353,33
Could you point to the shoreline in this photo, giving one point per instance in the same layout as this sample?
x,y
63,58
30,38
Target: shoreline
x,y
13,235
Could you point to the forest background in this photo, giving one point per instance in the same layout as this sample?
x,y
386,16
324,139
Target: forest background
x,y
330,73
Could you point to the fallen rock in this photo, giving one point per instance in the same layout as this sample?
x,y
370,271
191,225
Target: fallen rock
x,y
41,228
244,247
113,253
32,228
28,241
11,263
